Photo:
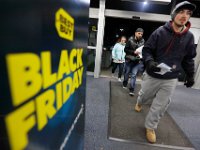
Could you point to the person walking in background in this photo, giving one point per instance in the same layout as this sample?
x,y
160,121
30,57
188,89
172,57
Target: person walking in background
x,y
173,46
118,56
133,61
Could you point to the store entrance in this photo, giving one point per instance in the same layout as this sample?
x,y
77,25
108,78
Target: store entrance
x,y
117,27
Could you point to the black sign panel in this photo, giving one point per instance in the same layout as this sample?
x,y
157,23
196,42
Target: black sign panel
x,y
43,66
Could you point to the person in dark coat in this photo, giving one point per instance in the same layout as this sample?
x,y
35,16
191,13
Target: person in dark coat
x,y
168,49
133,61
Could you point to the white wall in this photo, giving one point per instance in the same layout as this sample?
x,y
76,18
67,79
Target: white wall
x,y
196,32
195,28
195,22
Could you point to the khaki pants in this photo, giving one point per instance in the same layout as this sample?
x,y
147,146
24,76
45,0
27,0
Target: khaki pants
x,y
160,90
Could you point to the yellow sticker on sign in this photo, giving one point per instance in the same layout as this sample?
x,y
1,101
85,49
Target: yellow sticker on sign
x,y
64,24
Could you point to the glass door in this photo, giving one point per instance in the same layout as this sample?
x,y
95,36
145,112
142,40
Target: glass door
x,y
91,49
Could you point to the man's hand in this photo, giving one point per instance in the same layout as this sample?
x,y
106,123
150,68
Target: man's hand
x,y
138,58
136,52
189,82
152,66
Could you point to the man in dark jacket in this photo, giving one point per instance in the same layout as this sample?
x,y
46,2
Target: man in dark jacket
x,y
133,63
172,45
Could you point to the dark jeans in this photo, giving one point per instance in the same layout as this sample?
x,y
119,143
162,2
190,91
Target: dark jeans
x,y
121,66
131,68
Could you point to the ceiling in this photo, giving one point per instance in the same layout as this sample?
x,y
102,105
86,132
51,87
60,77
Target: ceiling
x,y
163,2
137,5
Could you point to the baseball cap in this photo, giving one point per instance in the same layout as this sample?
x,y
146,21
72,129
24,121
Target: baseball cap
x,y
139,30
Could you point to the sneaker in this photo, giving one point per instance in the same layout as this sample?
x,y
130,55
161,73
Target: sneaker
x,y
124,87
131,94
151,135
119,79
138,107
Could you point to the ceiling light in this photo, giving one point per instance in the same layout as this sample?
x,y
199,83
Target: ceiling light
x,y
165,2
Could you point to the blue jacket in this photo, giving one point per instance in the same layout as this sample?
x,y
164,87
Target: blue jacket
x,y
174,49
118,53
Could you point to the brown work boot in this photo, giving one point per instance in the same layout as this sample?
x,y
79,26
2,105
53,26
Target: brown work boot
x,y
151,135
138,107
